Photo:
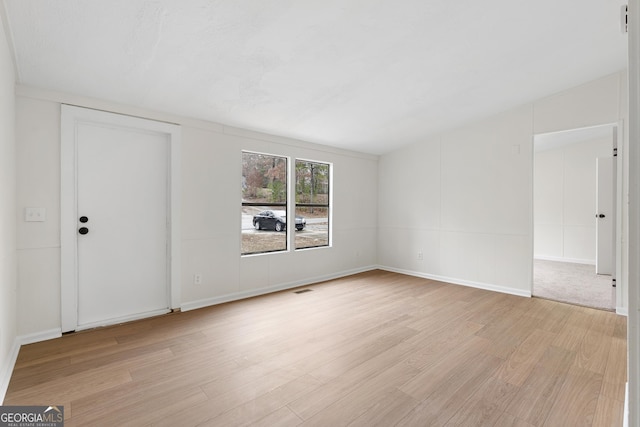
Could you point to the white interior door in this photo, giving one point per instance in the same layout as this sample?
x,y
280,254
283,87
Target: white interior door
x,y
605,215
119,218
122,194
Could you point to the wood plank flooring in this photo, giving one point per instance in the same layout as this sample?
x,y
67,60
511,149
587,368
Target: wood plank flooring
x,y
373,349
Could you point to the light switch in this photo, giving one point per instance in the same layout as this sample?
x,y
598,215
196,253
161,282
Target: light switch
x,y
35,214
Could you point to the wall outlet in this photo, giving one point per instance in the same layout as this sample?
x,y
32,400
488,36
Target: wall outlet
x,y
35,214
197,279
420,255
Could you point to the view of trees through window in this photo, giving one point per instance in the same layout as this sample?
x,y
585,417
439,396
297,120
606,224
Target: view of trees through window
x,y
312,203
264,204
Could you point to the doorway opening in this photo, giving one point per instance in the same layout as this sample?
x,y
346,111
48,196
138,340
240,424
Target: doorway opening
x,y
574,216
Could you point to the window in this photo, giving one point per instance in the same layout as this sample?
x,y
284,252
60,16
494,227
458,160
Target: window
x,y
264,203
312,204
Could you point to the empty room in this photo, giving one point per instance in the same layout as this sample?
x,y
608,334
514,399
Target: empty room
x,y
318,213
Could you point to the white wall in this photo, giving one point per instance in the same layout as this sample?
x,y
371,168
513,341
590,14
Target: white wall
x,y
8,281
564,200
211,197
464,198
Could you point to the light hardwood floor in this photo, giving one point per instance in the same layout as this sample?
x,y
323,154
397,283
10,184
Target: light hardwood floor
x,y
376,348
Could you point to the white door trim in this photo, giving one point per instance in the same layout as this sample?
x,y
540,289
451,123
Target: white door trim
x,y
620,251
620,173
70,117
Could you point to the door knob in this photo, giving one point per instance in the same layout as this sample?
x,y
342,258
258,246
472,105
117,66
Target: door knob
x,y
83,230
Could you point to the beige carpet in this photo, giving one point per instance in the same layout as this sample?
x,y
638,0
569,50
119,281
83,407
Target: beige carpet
x,y
573,283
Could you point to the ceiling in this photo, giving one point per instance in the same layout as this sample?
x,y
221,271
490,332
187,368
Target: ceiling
x,y
368,76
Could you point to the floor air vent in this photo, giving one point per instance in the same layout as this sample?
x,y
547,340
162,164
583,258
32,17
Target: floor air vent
x,y
302,291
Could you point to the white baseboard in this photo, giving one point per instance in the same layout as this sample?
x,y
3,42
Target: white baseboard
x,y
622,311
6,371
39,336
562,259
454,281
193,305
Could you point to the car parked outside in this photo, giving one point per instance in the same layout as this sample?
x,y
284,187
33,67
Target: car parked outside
x,y
275,220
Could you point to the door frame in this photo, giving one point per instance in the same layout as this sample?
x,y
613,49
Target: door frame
x,y
618,249
71,116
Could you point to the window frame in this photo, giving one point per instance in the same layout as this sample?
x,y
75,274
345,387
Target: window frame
x,y
271,206
289,207
328,205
